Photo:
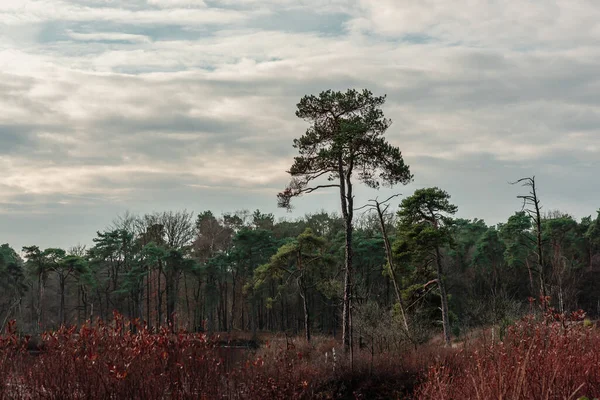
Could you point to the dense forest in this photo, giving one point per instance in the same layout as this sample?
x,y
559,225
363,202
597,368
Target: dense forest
x,y
246,271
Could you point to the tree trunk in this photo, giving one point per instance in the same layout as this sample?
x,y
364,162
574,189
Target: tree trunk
x,y
444,297
188,309
304,296
346,326
79,305
538,223
39,304
33,309
148,291
61,309
242,316
347,212
388,252
253,317
233,288
170,285
84,301
159,297
282,316
225,298
197,309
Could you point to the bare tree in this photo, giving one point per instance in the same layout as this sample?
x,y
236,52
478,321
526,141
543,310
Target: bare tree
x,y
532,206
381,209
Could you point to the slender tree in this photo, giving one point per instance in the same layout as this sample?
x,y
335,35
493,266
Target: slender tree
x,y
297,261
345,139
425,227
532,206
37,266
55,262
381,209
68,266
12,282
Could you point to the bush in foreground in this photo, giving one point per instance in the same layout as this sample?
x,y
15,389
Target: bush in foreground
x,y
124,360
556,358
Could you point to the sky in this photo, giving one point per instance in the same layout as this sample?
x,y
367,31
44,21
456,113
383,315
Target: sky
x,y
110,106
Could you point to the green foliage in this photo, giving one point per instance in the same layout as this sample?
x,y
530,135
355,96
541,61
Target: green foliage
x,y
300,259
424,225
466,234
12,276
518,238
346,134
593,233
425,230
488,250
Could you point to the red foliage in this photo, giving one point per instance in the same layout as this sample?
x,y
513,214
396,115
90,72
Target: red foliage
x,y
557,357
12,349
124,360
553,358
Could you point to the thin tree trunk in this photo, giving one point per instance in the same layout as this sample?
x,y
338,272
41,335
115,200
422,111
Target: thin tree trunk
x,y
61,310
538,223
148,317
197,309
242,316
159,294
84,298
39,304
33,309
531,285
187,302
233,296
347,212
282,316
388,252
171,288
225,308
444,297
79,305
304,296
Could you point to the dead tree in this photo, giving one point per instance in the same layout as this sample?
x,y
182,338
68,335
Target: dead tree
x,y
381,209
531,205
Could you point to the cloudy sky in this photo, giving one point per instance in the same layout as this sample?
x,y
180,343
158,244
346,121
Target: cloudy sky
x,y
147,105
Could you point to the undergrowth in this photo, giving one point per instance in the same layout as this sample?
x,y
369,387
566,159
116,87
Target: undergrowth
x,y
125,360
554,357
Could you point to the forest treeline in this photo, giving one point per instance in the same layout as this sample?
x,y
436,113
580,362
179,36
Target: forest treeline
x,y
396,276
247,271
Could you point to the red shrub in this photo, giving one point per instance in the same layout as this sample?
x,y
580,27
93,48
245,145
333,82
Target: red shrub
x,y
12,350
124,360
556,358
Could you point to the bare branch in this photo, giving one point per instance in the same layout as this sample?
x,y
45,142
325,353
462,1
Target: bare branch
x,y
312,189
389,198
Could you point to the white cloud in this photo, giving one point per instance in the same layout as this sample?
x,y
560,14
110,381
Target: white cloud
x,y
108,37
38,11
509,23
178,3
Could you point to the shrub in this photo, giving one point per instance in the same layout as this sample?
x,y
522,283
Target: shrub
x,y
553,358
125,360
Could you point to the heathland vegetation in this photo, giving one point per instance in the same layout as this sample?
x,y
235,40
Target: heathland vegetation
x,y
389,299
